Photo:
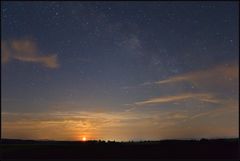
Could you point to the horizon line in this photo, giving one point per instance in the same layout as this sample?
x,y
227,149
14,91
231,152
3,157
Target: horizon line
x,y
99,140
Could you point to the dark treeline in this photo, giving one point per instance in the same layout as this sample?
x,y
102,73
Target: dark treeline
x,y
173,149
21,141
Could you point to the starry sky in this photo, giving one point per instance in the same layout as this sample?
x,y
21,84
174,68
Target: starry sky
x,y
119,70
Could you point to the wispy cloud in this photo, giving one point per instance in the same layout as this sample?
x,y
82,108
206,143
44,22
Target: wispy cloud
x,y
229,105
77,123
213,81
206,97
118,125
26,50
5,53
220,74
72,124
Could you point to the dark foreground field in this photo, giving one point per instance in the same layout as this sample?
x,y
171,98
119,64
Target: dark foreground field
x,y
169,149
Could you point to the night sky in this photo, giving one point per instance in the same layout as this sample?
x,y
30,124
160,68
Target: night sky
x,y
119,70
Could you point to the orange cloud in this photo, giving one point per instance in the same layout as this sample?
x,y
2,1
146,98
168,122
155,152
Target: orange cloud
x,y
26,46
71,125
156,124
26,50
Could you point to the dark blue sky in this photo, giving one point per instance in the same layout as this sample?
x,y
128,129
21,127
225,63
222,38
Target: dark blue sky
x,y
112,57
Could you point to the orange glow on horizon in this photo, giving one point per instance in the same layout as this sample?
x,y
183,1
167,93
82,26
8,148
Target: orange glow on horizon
x,y
84,139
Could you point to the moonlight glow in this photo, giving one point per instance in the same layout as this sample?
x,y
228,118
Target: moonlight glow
x,y
119,71
84,139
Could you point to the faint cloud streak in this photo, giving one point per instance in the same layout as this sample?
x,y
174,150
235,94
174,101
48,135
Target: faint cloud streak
x,y
206,97
220,74
26,50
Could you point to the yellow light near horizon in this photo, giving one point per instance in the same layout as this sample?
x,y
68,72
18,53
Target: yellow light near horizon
x,y
84,138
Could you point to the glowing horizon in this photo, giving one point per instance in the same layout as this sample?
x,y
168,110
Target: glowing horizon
x,y
99,71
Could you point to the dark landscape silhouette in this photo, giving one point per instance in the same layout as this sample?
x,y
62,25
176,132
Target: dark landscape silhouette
x,y
165,149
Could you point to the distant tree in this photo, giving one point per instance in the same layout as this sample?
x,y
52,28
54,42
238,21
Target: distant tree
x,y
203,139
